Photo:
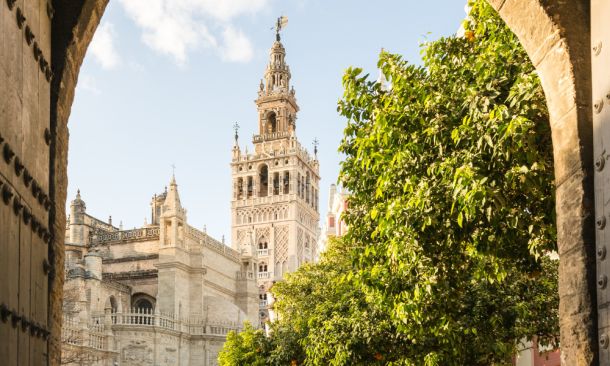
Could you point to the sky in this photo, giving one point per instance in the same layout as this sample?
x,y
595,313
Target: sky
x,y
164,81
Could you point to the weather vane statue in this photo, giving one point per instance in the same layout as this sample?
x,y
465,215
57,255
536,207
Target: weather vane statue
x,y
236,128
282,22
315,147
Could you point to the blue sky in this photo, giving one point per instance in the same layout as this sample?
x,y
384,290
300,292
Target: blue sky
x,y
165,80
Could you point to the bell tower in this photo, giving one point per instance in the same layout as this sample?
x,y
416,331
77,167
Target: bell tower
x,y
275,188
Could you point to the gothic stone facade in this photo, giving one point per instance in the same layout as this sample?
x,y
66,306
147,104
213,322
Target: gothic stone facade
x,y
275,188
163,294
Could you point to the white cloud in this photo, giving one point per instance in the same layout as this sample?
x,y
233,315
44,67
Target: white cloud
x,y
102,46
236,47
176,27
88,83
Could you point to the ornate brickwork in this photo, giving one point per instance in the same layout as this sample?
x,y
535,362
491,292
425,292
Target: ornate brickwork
x,y
281,243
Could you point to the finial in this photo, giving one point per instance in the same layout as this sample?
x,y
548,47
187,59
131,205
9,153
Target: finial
x,y
205,228
223,239
236,129
110,220
173,174
315,147
78,194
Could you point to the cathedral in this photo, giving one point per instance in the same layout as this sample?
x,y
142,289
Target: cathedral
x,y
167,293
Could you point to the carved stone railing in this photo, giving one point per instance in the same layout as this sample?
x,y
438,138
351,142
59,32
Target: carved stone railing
x,y
263,275
149,319
91,335
271,136
211,243
263,252
148,233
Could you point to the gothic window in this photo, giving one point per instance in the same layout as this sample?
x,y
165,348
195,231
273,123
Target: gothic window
x,y
286,182
262,245
264,181
276,183
262,267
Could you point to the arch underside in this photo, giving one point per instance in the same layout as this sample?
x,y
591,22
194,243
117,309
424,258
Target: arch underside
x,y
556,36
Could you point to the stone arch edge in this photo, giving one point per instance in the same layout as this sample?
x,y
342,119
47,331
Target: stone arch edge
x,y
556,36
72,28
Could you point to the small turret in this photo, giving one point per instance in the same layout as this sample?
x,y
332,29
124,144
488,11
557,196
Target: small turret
x,y
77,209
172,220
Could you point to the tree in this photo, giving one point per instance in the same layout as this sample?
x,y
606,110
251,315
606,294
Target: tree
x,y
324,311
451,217
249,347
452,206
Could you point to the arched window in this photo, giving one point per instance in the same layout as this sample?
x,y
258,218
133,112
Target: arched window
x,y
250,187
113,305
240,188
271,122
264,181
286,182
262,267
262,245
276,183
143,304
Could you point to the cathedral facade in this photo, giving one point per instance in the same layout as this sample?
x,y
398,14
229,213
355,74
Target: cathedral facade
x,y
276,187
162,294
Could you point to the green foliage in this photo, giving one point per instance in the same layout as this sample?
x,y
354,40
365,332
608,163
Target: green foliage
x,y
330,316
453,199
249,347
450,220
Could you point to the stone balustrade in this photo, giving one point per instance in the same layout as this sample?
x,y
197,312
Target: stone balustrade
x,y
148,233
149,319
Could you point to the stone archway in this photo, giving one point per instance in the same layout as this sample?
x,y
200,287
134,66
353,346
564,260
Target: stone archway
x,y
556,36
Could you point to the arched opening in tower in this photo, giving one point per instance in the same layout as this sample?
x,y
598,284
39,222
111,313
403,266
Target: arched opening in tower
x,y
271,122
264,181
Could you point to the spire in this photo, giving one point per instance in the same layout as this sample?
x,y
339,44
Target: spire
x,y
276,103
173,180
172,205
78,202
